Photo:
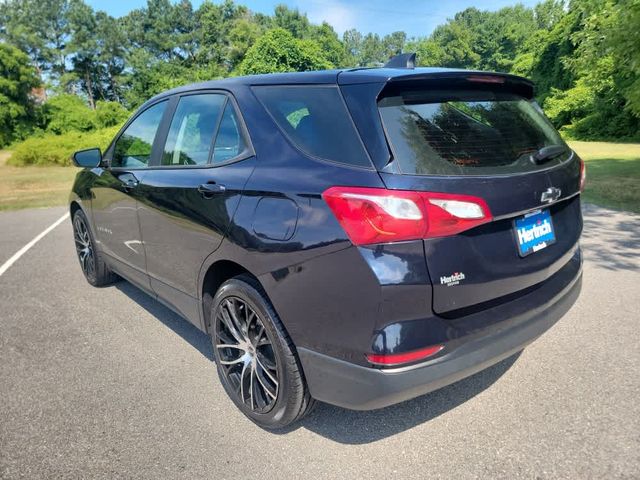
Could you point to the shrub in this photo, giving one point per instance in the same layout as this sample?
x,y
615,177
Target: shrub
x,y
57,149
64,113
109,114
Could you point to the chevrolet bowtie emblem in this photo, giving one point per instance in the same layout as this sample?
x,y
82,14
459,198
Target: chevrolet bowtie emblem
x,y
551,194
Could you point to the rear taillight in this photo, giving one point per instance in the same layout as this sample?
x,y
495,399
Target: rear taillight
x,y
583,175
378,215
406,357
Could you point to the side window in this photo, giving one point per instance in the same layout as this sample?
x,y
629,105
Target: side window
x,y
229,141
133,147
192,130
316,120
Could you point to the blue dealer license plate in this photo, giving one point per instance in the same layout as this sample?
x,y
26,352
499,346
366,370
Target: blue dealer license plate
x,y
534,232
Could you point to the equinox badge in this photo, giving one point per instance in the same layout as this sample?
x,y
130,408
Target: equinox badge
x,y
551,194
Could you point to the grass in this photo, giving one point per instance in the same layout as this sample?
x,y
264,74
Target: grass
x,y
31,187
613,174
613,179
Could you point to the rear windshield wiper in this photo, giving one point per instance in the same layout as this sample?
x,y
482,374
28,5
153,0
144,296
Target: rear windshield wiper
x,y
547,153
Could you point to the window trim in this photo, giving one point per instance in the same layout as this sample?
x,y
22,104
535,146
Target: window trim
x,y
108,157
297,147
248,151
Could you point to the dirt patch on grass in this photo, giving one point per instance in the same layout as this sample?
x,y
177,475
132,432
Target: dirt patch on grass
x,y
4,156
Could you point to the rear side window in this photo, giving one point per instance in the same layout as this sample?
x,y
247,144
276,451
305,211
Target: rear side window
x,y
316,120
229,141
133,147
467,132
192,129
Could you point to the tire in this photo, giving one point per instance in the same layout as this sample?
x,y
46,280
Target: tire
x,y
260,371
93,267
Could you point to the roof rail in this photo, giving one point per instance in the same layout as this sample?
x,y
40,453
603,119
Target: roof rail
x,y
404,60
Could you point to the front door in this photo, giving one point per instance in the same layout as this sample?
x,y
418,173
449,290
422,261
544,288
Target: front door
x,y
116,194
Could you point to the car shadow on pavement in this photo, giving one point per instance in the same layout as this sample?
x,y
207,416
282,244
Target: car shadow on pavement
x,y
356,427
334,423
191,334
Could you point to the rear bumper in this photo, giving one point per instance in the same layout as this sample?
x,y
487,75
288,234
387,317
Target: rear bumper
x,y
362,388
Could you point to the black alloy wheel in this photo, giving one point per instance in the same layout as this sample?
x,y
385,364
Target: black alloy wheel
x,y
246,354
84,247
93,266
257,362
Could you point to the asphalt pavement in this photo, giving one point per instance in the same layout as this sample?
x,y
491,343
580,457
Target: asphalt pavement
x,y
107,383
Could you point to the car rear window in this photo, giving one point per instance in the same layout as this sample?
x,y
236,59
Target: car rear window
x,y
316,120
467,132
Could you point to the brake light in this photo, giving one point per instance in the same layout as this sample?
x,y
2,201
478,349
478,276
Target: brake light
x,y
583,175
406,357
485,79
378,215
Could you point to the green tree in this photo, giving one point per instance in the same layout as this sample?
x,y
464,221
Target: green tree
x,y
624,43
17,79
453,46
243,34
583,55
111,54
83,51
371,51
40,28
278,51
393,44
352,41
596,104
215,24
291,20
328,41
548,13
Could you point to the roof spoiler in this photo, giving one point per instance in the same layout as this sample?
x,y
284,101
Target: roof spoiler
x,y
404,60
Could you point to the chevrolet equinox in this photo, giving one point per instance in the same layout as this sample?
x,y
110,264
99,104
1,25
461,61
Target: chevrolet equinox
x,y
358,237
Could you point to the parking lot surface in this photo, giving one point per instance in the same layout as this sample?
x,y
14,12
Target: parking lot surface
x,y
107,383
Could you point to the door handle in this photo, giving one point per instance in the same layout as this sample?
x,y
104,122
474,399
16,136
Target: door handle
x,y
211,188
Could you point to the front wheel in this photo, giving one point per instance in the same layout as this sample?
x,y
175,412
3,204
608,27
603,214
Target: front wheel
x,y
93,267
255,357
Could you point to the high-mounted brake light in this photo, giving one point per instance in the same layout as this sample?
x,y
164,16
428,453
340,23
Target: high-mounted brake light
x,y
485,79
583,175
379,215
406,357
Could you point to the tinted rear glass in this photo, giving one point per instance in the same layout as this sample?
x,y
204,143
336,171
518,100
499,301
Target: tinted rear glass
x,y
467,133
192,129
229,141
316,120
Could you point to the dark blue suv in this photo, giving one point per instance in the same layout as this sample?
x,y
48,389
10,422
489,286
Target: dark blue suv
x,y
358,237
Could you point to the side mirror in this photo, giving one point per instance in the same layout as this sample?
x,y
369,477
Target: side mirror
x,y
90,158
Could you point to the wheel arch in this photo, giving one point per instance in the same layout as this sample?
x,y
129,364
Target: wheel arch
x,y
77,204
74,206
216,274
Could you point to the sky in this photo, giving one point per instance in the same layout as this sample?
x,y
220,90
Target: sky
x,y
417,18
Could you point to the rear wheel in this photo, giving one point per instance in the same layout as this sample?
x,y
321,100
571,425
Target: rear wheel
x,y
255,357
95,270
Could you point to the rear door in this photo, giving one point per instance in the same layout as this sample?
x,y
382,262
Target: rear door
x,y
189,196
484,138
